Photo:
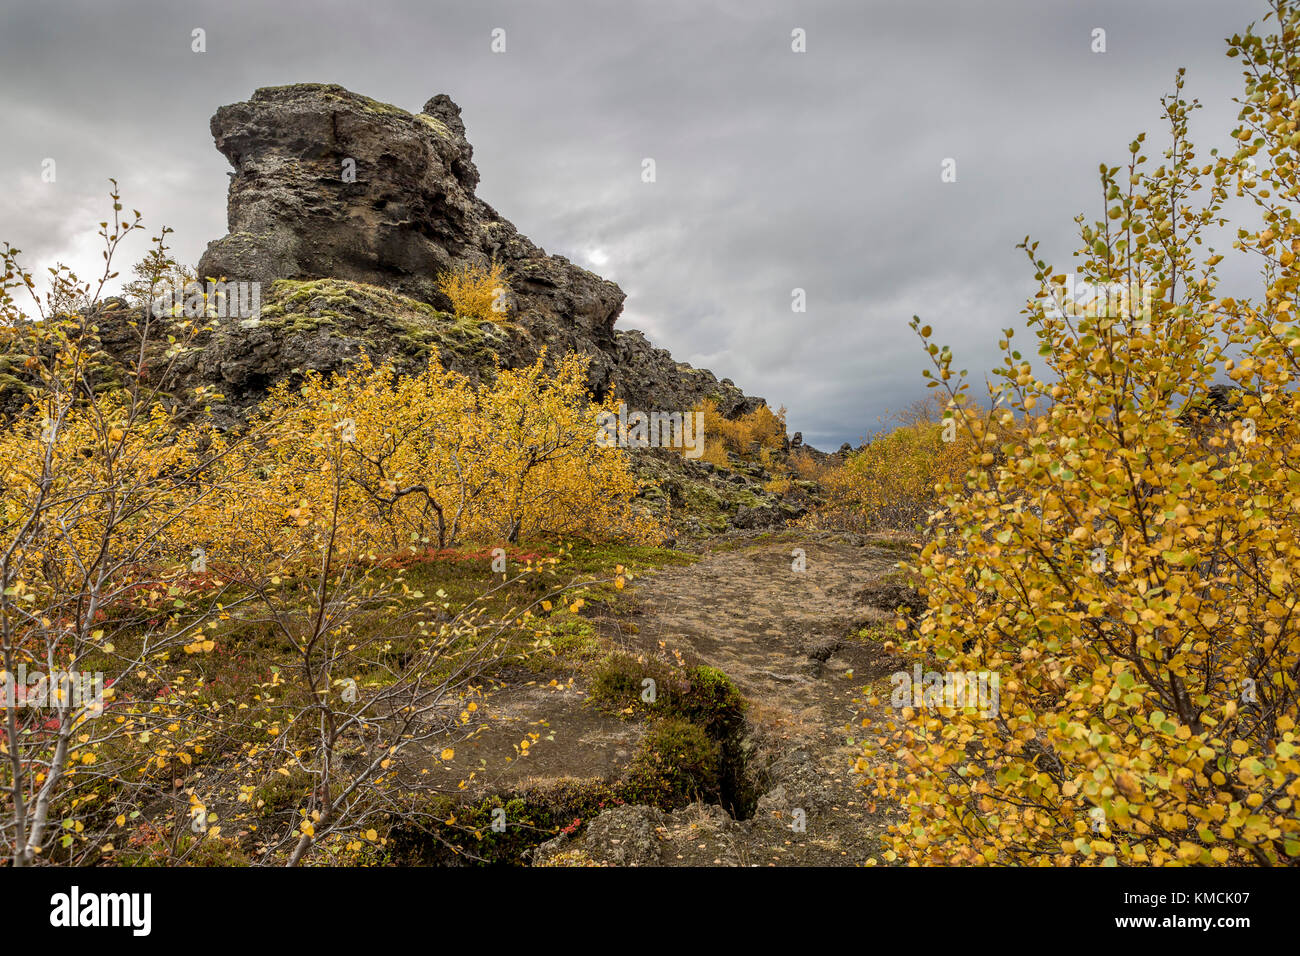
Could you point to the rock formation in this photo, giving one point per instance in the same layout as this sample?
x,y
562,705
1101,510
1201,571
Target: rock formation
x,y
349,264
332,185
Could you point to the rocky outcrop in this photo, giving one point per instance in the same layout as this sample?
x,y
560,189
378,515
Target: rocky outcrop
x,y
329,184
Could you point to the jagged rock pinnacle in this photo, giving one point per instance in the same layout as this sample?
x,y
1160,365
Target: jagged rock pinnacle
x,y
329,184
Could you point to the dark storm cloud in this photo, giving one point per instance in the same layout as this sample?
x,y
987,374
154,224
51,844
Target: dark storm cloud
x,y
775,170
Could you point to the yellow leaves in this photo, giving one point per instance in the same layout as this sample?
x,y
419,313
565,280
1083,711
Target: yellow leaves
x,y
517,456
477,292
200,647
301,513
761,428
448,754
1128,785
1125,560
894,478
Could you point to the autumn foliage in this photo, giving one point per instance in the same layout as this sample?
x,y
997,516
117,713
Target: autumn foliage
x,y
137,539
894,482
477,291
749,436
432,458
1128,568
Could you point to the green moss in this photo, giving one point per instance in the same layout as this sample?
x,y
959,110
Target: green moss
x,y
436,830
217,851
566,641
880,632
208,851
330,293
619,683
377,106
435,124
700,498
702,694
676,763
341,292
713,700
334,92
299,306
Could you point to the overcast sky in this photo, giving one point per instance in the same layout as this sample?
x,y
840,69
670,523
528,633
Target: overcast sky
x,y
776,170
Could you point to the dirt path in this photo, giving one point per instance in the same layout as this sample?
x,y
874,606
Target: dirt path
x,y
788,638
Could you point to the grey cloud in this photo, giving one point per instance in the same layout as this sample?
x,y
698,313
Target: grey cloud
x,y
775,170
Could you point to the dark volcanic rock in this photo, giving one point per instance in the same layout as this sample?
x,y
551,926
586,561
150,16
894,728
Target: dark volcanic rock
x,y
1213,408
645,372
409,212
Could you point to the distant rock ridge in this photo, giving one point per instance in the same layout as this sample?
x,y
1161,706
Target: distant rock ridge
x,y
329,184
